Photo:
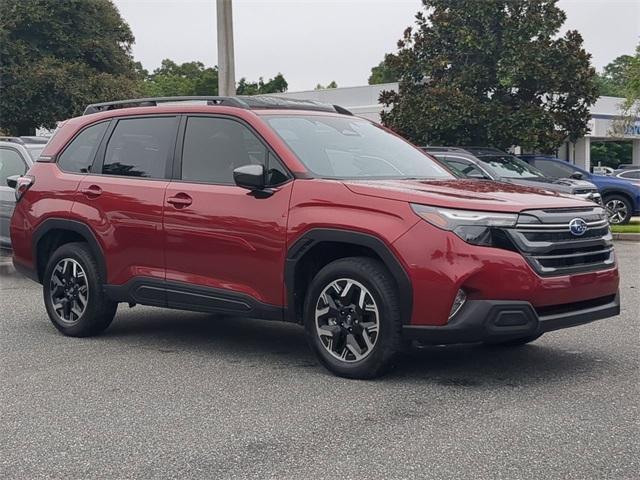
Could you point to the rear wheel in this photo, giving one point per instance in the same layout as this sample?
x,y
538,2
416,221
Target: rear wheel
x,y
352,318
73,293
618,208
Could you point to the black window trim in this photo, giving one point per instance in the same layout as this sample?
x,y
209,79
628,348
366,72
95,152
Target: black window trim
x,y
96,168
177,168
26,164
57,156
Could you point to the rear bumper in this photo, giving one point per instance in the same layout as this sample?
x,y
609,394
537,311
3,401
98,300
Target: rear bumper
x,y
496,320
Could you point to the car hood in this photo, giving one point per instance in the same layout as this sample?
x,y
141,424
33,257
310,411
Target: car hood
x,y
562,185
466,194
615,182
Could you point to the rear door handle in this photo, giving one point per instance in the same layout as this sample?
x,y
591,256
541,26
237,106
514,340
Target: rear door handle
x,y
181,200
92,191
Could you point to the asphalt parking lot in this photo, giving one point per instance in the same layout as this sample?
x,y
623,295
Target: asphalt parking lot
x,y
166,394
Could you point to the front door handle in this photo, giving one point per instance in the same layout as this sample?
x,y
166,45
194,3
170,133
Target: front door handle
x,y
91,191
181,200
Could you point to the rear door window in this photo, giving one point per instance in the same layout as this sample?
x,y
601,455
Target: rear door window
x,y
141,147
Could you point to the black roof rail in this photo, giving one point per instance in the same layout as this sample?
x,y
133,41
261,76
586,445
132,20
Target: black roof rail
x,y
253,102
154,101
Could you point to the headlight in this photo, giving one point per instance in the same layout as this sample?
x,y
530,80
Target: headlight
x,y
472,226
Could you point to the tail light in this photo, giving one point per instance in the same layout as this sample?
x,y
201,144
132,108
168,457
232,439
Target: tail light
x,y
23,184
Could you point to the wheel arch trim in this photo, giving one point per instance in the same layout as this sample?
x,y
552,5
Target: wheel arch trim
x,y
312,237
73,226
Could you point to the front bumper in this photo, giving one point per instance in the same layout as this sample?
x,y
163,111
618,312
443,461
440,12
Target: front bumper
x,y
497,320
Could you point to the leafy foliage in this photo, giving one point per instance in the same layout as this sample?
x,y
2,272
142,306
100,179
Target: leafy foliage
x,y
56,57
611,154
384,72
632,85
491,73
193,78
171,79
612,80
276,84
332,84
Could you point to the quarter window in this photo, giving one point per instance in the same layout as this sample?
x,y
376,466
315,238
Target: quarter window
x,y
140,147
78,156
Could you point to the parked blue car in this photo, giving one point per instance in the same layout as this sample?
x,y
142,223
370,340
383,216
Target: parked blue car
x,y
621,197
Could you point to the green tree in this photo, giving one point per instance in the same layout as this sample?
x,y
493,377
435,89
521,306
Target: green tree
x,y
612,80
276,84
632,85
58,56
331,84
384,72
491,73
189,78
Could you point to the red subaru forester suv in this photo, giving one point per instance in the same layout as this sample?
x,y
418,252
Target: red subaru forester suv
x,y
299,211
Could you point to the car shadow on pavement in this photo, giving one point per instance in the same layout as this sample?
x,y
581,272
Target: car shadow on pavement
x,y
279,346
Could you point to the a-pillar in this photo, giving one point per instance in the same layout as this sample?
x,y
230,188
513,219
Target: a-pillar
x,y
582,151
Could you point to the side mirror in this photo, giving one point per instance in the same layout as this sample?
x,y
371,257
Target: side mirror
x,y
577,176
251,177
12,181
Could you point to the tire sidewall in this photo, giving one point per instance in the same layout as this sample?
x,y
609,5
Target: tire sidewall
x,y
626,203
85,325
385,345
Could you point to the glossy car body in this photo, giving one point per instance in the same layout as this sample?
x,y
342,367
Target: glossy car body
x,y
15,160
221,248
479,161
607,185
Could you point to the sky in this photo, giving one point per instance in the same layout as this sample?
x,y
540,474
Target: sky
x,y
317,41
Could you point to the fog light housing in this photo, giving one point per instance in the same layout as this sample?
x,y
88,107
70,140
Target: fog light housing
x,y
458,302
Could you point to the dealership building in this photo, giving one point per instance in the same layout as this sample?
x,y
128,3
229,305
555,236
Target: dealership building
x,y
363,101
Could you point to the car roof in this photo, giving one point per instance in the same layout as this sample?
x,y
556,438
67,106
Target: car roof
x,y
245,102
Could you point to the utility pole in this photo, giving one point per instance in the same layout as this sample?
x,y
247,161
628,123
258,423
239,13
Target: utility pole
x,y
226,62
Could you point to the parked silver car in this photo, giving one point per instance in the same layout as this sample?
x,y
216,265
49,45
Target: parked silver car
x,y
15,160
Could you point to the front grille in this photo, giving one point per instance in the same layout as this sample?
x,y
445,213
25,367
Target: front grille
x,y
544,238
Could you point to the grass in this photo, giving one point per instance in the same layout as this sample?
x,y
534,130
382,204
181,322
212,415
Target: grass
x,y
631,227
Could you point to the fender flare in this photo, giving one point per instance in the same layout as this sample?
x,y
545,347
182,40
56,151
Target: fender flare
x,y
315,236
74,226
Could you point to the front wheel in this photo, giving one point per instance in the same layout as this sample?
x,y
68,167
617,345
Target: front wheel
x,y
73,293
618,208
352,317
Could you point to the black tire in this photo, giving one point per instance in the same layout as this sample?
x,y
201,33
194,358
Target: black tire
x,y
98,312
617,200
516,342
377,280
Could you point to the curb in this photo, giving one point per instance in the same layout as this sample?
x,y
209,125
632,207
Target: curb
x,y
627,237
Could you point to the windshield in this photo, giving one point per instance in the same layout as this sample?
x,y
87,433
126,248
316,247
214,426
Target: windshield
x,y
352,148
508,166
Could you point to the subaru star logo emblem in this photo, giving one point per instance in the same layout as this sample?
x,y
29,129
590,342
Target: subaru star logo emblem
x,y
577,227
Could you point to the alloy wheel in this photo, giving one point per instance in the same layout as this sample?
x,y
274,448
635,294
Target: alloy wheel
x,y
347,320
617,211
69,291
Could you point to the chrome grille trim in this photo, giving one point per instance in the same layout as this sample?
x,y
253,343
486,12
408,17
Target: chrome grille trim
x,y
543,237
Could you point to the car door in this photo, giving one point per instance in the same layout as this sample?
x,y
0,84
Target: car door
x,y
225,245
11,163
122,197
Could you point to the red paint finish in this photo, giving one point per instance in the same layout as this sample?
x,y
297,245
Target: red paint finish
x,y
440,263
126,218
225,237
